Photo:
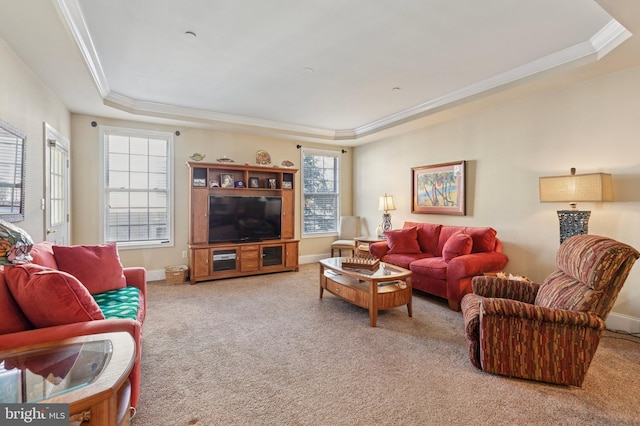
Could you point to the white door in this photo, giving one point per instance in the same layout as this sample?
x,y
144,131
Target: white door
x,y
57,188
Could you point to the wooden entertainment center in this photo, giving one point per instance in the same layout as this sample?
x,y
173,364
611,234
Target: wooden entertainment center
x,y
235,258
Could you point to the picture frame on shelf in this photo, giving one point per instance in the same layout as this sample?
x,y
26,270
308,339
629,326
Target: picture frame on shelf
x,y
271,183
226,180
254,182
439,189
199,182
287,184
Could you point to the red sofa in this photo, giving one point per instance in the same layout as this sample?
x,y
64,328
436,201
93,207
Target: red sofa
x,y
443,258
16,330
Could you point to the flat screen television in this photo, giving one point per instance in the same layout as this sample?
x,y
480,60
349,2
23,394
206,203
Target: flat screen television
x,y
237,219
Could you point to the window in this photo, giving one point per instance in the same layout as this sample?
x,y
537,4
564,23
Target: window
x,y
137,182
321,193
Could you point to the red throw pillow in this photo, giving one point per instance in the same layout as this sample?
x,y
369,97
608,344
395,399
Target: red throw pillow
x,y
484,239
97,267
48,297
11,317
457,245
403,240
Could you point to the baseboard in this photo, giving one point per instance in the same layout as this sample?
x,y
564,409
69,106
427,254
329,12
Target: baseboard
x,y
157,275
621,322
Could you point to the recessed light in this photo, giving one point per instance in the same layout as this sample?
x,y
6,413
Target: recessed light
x,y
308,69
190,34
396,89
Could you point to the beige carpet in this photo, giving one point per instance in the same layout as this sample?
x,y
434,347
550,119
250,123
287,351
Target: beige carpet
x,y
265,350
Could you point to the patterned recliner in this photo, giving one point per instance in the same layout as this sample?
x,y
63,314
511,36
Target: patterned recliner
x,y
548,332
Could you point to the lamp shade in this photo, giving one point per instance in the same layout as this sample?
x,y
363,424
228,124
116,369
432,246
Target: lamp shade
x,y
574,188
386,203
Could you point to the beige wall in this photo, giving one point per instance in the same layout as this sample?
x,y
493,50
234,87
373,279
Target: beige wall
x,y
26,103
85,159
592,126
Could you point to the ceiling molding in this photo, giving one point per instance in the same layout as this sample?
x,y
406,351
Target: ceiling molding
x,y
601,43
73,17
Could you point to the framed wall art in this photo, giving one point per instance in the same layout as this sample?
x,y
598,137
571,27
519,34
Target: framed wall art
x,y
254,182
439,189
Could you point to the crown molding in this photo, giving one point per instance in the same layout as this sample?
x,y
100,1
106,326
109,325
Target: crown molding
x,y
601,43
77,26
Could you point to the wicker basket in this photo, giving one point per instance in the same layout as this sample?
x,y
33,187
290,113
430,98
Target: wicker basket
x,y
176,273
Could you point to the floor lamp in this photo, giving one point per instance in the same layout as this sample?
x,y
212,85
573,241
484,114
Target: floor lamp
x,y
571,189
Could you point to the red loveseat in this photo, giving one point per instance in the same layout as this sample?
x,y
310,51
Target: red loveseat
x,y
443,258
17,330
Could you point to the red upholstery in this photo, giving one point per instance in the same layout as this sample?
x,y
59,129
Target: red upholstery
x,y
49,297
13,321
81,261
445,276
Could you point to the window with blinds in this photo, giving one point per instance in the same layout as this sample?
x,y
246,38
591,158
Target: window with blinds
x,y
321,192
137,182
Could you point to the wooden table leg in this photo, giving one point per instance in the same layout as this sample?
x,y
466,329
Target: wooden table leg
x,y
322,277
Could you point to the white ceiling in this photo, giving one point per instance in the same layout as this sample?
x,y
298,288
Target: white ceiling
x,y
329,70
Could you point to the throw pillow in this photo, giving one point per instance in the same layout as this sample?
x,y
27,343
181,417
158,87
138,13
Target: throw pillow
x,y
48,297
15,244
97,267
11,317
457,245
484,239
403,240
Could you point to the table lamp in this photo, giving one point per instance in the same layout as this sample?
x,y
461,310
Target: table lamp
x,y
386,204
571,189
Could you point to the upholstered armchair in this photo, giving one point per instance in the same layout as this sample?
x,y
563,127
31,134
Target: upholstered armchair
x,y
547,332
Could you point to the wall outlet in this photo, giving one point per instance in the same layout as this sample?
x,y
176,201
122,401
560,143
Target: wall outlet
x,y
184,254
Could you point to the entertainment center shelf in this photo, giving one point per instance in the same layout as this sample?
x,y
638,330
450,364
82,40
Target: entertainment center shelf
x,y
241,220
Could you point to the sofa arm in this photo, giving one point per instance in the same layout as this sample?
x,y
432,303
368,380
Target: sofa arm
x,y
136,277
470,265
39,335
378,249
506,309
523,291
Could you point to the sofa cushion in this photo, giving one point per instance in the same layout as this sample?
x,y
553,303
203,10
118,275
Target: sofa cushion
x,y
49,297
403,259
15,244
445,233
433,267
42,254
97,267
120,303
403,240
484,239
428,234
12,319
457,245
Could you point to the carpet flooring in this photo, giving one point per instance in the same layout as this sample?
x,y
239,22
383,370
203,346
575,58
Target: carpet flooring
x,y
265,350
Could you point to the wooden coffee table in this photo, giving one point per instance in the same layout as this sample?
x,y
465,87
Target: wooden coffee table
x,y
90,373
387,287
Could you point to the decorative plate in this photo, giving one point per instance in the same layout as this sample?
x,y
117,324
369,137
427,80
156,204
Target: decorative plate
x,y
287,164
225,160
263,157
197,156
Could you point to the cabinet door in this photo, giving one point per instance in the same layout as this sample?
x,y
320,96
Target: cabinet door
x,y
291,255
199,216
200,264
272,256
288,216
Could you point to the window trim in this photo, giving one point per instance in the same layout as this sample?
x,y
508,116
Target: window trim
x,y
126,131
327,153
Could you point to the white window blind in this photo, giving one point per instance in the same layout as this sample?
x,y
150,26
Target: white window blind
x,y
137,182
321,191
